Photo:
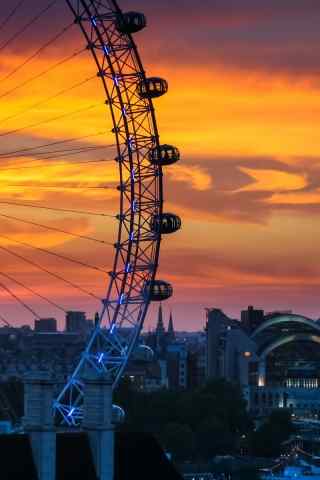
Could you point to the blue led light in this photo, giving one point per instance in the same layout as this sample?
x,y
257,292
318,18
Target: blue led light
x,y
71,412
130,142
137,207
128,267
100,357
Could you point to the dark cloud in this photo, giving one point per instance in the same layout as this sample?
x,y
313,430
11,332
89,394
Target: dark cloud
x,y
273,36
270,36
224,200
210,264
216,10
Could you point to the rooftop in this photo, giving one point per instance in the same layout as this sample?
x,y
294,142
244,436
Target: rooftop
x,y
137,455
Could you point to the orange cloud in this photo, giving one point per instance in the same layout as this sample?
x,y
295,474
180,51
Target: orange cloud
x,y
297,198
194,175
234,234
61,176
272,180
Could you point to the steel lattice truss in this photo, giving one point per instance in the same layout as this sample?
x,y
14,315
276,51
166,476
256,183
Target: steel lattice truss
x,y
137,247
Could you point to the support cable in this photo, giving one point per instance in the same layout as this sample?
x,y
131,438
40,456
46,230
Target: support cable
x,y
55,275
44,72
3,320
64,210
59,142
76,235
48,99
12,279
53,164
18,299
27,25
58,186
11,14
37,52
58,255
52,119
60,151
66,153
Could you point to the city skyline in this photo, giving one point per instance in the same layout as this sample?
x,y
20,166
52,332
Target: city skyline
x,y
242,107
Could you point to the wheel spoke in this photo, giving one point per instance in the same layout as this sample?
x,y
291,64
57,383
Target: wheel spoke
x,y
53,188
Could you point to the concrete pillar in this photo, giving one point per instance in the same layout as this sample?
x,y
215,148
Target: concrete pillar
x,y
39,422
97,421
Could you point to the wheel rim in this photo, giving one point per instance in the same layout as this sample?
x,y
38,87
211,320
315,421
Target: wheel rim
x,y
141,199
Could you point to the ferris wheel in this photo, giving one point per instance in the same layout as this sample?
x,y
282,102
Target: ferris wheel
x,y
139,159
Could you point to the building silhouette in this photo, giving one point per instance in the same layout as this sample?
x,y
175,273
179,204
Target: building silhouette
x,y
45,325
251,318
170,364
75,321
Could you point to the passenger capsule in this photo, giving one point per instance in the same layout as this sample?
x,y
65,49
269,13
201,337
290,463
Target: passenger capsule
x,y
164,155
158,290
152,87
165,223
130,22
143,353
118,415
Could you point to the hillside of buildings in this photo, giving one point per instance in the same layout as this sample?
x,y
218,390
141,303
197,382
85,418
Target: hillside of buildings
x,y
239,387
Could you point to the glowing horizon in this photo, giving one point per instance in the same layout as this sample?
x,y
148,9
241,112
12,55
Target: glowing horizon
x,y
243,106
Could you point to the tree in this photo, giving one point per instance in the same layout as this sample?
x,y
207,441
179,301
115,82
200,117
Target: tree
x,y
214,438
267,440
178,439
199,424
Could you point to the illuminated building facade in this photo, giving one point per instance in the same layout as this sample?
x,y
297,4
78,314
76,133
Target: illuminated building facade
x,y
276,360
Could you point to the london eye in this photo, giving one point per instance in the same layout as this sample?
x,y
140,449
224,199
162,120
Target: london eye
x,y
138,157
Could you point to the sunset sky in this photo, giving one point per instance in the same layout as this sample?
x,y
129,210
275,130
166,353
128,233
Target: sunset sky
x,y
244,109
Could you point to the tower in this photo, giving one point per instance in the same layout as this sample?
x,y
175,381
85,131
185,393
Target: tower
x,y
251,318
160,331
39,422
171,336
97,421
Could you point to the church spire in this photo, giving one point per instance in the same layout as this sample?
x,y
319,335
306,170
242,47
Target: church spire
x,y
171,333
160,327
